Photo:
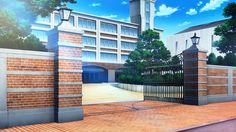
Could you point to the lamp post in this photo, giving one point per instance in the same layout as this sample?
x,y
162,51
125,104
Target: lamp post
x,y
65,12
195,39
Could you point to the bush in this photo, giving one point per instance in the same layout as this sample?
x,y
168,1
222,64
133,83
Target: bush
x,y
212,59
129,79
220,60
230,59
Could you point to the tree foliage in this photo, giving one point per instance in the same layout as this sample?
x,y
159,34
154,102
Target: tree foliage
x,y
150,50
16,17
212,59
227,31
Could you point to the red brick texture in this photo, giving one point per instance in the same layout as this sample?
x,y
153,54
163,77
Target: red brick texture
x,y
24,64
70,38
26,100
69,76
30,81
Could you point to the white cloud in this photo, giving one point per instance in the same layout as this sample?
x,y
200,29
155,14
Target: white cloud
x,y
199,3
184,23
212,5
110,16
125,19
191,11
165,11
124,2
95,4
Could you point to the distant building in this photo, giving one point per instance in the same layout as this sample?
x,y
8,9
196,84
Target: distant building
x,y
182,40
107,43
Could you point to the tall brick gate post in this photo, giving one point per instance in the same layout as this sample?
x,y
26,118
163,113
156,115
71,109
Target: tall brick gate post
x,y
66,42
195,75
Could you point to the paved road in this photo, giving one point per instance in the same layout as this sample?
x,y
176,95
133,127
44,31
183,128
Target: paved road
x,y
142,116
226,126
106,93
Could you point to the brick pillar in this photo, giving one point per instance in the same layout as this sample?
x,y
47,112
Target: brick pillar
x,y
66,42
195,76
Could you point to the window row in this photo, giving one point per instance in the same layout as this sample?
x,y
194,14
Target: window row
x,y
108,57
88,56
88,24
108,43
89,41
124,58
42,35
129,31
128,45
91,56
107,27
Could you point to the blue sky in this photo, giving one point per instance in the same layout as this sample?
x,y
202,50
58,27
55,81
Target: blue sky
x,y
171,15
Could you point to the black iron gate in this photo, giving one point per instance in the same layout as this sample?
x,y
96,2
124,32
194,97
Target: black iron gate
x,y
165,82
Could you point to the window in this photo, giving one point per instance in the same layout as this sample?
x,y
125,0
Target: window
x,y
88,56
128,45
108,57
87,24
186,44
91,41
176,48
72,20
42,35
108,43
147,14
124,58
57,19
129,31
107,27
43,20
147,4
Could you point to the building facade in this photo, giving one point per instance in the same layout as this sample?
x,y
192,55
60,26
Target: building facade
x,y
182,40
107,43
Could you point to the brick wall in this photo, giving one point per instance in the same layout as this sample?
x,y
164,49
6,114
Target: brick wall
x,y
27,84
29,79
221,81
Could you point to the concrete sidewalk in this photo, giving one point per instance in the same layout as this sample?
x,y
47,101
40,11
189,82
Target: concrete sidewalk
x,y
150,116
107,93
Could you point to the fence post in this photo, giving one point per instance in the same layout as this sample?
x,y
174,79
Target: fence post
x,y
66,42
195,76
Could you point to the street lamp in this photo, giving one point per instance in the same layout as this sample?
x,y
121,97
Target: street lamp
x,y
195,39
65,13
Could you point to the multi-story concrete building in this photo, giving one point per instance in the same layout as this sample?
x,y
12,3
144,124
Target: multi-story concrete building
x,y
182,40
107,43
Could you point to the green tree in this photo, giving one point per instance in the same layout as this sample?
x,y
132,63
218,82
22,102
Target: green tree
x,y
16,17
212,59
220,60
150,50
230,59
227,31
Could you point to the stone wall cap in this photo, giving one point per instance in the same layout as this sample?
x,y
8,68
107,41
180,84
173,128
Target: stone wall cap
x,y
195,48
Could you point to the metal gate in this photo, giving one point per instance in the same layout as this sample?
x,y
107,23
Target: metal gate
x,y
165,82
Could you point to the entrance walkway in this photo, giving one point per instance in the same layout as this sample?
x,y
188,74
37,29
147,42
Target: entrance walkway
x,y
106,93
144,116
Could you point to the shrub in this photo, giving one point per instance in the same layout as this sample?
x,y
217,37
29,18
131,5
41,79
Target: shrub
x,y
230,59
220,60
212,59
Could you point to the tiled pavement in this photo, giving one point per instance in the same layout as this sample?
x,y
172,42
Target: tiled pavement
x,y
139,117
